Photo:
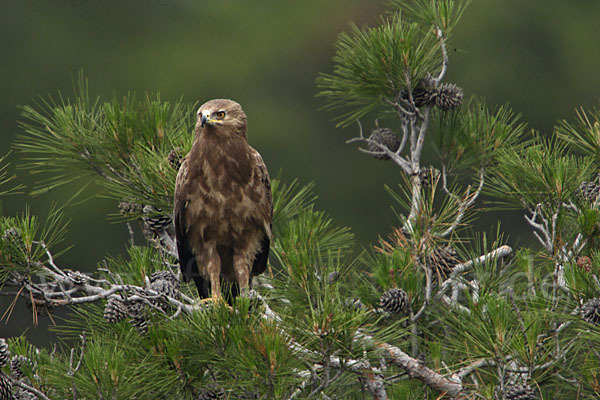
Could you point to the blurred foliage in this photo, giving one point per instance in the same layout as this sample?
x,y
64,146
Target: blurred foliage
x,y
25,238
584,134
541,171
374,64
443,14
472,137
5,178
125,146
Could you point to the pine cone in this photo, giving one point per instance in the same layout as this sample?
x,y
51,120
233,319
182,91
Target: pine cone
x,y
333,277
137,312
424,93
115,311
449,96
164,275
14,239
520,392
247,396
394,301
211,392
128,207
22,394
140,324
155,223
356,304
590,311
11,234
175,157
584,263
15,366
442,260
588,191
384,137
165,282
428,176
4,353
5,387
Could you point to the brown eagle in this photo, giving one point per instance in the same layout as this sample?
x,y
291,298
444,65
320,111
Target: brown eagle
x,y
223,207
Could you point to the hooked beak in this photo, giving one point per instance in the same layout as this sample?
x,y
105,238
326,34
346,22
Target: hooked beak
x,y
206,119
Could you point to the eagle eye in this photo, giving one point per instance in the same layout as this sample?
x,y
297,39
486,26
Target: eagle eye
x,y
220,114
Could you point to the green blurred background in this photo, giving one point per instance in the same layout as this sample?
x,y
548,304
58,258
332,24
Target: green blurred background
x,y
541,57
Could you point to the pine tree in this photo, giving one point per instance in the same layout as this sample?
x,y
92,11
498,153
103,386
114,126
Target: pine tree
x,y
434,310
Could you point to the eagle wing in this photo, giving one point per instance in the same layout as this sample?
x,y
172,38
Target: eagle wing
x,y
260,260
187,260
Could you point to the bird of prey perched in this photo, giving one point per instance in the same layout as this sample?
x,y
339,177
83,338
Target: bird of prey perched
x,y
223,207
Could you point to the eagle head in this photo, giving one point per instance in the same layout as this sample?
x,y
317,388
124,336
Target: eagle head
x,y
221,113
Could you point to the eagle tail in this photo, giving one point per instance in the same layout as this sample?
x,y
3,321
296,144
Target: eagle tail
x,y
202,285
260,260
230,290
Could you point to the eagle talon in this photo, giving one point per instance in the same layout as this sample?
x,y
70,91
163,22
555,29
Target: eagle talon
x,y
208,300
214,301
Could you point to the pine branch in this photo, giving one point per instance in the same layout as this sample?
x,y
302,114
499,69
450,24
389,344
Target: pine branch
x,y
75,288
457,270
500,252
451,386
542,227
29,388
485,335
5,178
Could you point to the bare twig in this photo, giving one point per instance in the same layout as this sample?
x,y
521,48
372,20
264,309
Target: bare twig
x,y
450,303
415,203
85,154
542,227
451,386
131,235
500,252
414,318
417,146
51,259
467,201
484,362
440,35
73,370
399,109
